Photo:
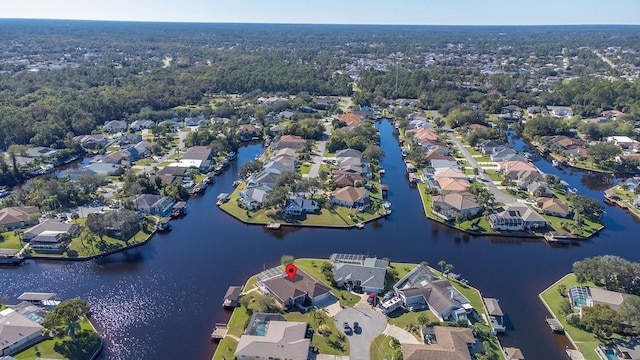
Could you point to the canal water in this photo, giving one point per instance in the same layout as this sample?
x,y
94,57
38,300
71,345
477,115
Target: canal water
x,y
161,300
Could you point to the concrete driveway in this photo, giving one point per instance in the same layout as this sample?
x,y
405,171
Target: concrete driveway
x,y
372,324
402,335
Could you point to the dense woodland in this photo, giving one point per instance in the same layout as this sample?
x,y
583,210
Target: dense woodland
x,y
99,71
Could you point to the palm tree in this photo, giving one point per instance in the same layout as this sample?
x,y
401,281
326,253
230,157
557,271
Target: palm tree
x,y
442,264
448,268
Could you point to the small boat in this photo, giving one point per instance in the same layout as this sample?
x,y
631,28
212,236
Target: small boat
x,y
555,163
558,238
217,170
387,205
232,155
273,226
381,171
573,190
236,183
360,225
225,163
222,198
163,224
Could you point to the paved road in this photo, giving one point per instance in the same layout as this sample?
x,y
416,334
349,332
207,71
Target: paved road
x,y
372,323
497,194
317,158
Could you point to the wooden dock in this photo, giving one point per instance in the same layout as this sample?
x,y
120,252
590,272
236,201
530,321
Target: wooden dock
x,y
555,325
220,331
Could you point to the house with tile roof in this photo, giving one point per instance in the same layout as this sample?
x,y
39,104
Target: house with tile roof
x,y
303,288
445,343
274,339
359,272
350,196
516,216
454,204
553,207
17,217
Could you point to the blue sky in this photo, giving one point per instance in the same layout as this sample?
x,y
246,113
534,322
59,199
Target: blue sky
x,y
422,12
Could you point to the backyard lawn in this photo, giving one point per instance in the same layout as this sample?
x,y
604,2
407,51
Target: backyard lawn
x,y
87,342
382,349
8,240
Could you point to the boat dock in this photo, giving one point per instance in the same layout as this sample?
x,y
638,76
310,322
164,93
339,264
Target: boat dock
x,y
179,209
558,237
222,198
615,200
555,325
220,331
232,297
496,315
273,226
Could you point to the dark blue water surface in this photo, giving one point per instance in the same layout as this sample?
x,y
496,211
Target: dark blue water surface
x,y
161,301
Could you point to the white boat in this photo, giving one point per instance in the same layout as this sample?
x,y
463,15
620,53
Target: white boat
x,y
573,190
555,163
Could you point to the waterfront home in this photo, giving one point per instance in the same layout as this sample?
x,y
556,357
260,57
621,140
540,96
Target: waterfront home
x,y
454,204
154,204
342,180
288,141
422,136
507,154
247,132
513,353
254,197
129,138
266,177
173,171
444,343
299,205
516,217
274,339
438,154
628,347
624,142
277,129
539,188
350,196
303,289
44,154
197,156
142,124
351,119
452,173
119,158
445,163
553,207
50,236
420,288
492,146
18,217
103,169
446,184
580,296
115,126
568,145
17,332
359,272
94,141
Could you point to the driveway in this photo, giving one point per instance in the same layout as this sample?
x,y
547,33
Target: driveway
x,y
372,324
317,158
402,335
497,194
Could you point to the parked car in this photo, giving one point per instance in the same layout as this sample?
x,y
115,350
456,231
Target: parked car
x,y
356,328
347,328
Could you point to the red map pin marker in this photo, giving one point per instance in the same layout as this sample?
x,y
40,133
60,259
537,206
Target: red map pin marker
x,y
291,271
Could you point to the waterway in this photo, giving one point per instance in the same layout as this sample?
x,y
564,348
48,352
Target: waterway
x,y
161,300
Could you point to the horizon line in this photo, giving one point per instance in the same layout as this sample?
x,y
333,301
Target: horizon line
x,y
309,23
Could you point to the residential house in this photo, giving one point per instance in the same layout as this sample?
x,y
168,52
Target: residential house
x,y
449,173
537,110
103,169
45,154
612,114
170,125
277,129
18,217
507,154
453,204
446,184
173,171
423,136
445,343
278,340
553,207
420,288
130,138
350,196
254,197
286,114
120,158
92,141
520,171
513,353
17,332
569,146
359,272
248,132
449,162
624,142
348,153
73,174
437,154
271,100
539,189
303,288
115,126
283,164
266,177
142,124
197,121
299,205
629,347
342,179
580,296
561,112
49,235
197,156
516,217
351,119
154,204
143,148
289,141
492,146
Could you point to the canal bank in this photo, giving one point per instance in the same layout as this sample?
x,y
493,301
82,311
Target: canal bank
x,y
146,300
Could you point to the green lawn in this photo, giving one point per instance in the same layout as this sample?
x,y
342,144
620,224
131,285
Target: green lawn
x,y
586,342
381,349
87,342
402,317
304,169
472,150
78,249
494,175
331,344
226,349
145,162
9,241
